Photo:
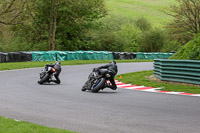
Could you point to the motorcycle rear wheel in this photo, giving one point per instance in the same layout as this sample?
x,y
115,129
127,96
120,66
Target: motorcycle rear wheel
x,y
99,85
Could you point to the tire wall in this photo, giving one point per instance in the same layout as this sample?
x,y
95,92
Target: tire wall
x,y
15,57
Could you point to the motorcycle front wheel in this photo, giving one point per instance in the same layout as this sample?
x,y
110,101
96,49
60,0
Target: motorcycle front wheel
x,y
44,79
98,85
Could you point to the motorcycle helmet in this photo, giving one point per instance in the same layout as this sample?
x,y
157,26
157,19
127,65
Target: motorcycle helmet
x,y
112,62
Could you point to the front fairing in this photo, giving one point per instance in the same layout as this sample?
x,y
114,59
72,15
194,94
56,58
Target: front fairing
x,y
45,71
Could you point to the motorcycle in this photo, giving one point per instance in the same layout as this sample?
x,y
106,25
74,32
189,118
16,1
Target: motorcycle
x,y
47,75
96,81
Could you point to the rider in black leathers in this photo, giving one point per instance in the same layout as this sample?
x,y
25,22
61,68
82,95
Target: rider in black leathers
x,y
110,67
58,70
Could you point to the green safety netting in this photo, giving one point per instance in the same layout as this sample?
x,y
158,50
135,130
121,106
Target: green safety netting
x,y
48,55
92,55
71,55
140,55
154,55
37,55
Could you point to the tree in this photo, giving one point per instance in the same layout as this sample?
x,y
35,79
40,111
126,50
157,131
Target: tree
x,y
186,22
115,33
11,11
42,15
11,14
78,17
61,23
52,24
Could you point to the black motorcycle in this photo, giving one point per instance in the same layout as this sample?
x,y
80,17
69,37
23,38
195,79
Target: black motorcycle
x,y
47,74
96,81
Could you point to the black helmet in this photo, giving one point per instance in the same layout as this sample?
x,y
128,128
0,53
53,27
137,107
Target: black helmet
x,y
114,62
57,63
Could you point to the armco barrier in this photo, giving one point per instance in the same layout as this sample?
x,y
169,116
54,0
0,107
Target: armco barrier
x,y
185,71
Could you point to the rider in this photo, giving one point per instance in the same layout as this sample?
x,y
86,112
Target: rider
x,y
58,70
110,67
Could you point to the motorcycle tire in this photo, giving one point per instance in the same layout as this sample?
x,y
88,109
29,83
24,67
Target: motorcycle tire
x,y
44,79
99,85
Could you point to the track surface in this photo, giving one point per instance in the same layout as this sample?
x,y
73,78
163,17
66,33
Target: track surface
x,y
122,111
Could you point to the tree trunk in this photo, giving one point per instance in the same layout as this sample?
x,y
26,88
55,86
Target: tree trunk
x,y
52,24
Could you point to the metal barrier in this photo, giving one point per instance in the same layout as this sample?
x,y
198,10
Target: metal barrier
x,y
185,71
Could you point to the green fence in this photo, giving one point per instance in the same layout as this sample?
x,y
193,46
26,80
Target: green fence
x,y
186,71
71,55
150,56
94,55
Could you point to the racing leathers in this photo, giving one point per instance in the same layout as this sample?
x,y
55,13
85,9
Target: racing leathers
x,y
109,67
57,73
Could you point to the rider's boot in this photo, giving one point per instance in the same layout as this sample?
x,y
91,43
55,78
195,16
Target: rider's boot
x,y
112,87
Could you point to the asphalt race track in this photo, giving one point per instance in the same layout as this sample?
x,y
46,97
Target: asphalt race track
x,y
65,106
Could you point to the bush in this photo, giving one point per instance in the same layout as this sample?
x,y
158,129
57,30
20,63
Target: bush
x,y
143,24
152,40
170,46
189,51
115,34
128,35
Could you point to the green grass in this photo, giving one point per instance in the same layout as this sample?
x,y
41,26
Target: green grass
x,y
12,126
151,9
21,65
142,78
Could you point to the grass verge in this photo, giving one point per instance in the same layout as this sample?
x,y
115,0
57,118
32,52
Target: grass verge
x,y
142,78
21,65
12,126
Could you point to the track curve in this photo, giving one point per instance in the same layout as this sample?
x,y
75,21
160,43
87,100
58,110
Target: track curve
x,y
65,106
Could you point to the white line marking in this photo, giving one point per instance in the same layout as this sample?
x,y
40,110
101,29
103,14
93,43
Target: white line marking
x,y
174,92
196,95
149,90
19,69
123,85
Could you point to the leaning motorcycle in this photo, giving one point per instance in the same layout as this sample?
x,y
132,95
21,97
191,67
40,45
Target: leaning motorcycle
x,y
46,75
96,81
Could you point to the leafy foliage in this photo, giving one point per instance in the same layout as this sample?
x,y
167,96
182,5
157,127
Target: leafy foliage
x,y
186,22
170,46
143,24
72,19
11,11
189,51
152,40
85,25
115,33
